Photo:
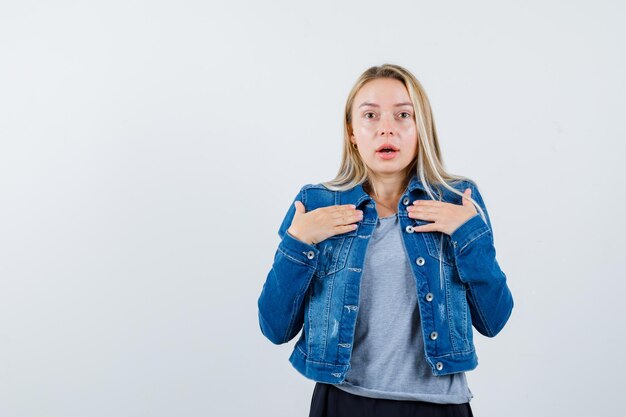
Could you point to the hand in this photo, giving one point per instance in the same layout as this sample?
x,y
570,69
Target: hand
x,y
323,222
447,217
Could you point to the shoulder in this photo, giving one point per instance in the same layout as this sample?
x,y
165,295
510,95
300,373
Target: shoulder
x,y
318,195
463,183
317,186
308,189
459,185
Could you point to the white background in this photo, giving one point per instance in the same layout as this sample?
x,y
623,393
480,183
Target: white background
x,y
149,151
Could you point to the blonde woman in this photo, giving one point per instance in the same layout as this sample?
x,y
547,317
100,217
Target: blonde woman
x,y
387,268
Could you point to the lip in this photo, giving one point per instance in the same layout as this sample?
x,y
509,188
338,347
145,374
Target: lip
x,y
387,155
386,145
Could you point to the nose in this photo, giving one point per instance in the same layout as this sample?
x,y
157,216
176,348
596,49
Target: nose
x,y
386,125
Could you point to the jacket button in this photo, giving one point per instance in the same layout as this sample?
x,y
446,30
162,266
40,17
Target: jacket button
x,y
433,335
420,261
429,297
405,201
409,229
310,254
439,366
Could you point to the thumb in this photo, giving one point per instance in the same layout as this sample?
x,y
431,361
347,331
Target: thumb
x,y
467,193
299,207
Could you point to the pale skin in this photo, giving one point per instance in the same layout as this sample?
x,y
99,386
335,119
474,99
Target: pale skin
x,y
382,114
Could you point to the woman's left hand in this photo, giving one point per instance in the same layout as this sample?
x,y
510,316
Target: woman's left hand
x,y
447,217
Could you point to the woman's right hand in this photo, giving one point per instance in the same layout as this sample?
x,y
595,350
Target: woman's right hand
x,y
323,222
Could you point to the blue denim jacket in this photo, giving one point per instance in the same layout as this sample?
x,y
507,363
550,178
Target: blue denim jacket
x,y
316,287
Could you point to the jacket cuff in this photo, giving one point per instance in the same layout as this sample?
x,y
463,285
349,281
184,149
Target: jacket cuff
x,y
472,229
298,250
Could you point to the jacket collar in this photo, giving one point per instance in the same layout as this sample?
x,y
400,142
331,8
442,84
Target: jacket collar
x,y
357,194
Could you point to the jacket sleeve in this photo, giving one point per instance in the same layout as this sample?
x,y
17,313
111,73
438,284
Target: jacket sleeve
x,y
281,303
488,295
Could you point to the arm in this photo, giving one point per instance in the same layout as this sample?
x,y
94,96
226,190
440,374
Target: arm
x,y
281,306
488,295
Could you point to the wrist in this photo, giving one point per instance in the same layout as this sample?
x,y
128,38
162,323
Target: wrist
x,y
297,235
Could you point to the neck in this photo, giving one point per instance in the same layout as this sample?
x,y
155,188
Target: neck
x,y
386,188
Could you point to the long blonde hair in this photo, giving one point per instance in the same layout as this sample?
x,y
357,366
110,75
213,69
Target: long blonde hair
x,y
427,163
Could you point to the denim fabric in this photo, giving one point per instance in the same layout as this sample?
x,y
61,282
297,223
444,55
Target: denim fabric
x,y
315,288
388,351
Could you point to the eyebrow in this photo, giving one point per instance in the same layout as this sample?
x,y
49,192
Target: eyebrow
x,y
365,103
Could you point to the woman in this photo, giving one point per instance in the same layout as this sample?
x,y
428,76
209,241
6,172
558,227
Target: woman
x,y
401,242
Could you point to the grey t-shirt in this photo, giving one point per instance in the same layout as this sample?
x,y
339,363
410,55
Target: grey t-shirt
x,y
388,352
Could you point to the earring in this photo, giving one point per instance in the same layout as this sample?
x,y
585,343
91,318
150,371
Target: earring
x,y
354,146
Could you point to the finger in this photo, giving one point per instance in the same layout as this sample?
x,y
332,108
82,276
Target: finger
x,y
467,193
422,203
337,208
346,214
344,206
430,227
428,209
345,228
423,215
424,209
350,218
299,206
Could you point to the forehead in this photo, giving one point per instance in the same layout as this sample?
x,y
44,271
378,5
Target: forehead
x,y
382,91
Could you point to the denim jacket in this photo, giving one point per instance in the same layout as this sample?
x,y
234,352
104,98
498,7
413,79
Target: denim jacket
x,y
315,287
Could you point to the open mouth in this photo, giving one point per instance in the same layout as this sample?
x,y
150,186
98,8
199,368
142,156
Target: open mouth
x,y
387,152
387,148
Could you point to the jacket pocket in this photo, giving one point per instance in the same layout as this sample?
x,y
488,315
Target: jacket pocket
x,y
458,310
334,253
440,247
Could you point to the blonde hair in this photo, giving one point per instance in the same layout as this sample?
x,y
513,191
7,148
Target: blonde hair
x,y
427,163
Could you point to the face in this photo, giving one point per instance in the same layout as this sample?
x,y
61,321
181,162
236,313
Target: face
x,y
382,114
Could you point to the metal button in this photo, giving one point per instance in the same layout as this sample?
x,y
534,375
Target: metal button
x,y
420,261
429,297
409,229
433,335
439,366
405,201
310,254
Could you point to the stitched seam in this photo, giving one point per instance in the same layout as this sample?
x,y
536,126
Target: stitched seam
x,y
311,333
473,239
287,255
481,315
291,319
480,311
450,314
465,308
294,309
465,352
327,364
327,315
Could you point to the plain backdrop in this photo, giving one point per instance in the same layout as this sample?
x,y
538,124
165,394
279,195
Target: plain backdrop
x,y
150,149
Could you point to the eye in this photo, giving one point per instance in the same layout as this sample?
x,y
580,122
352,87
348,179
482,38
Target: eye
x,y
365,114
407,115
